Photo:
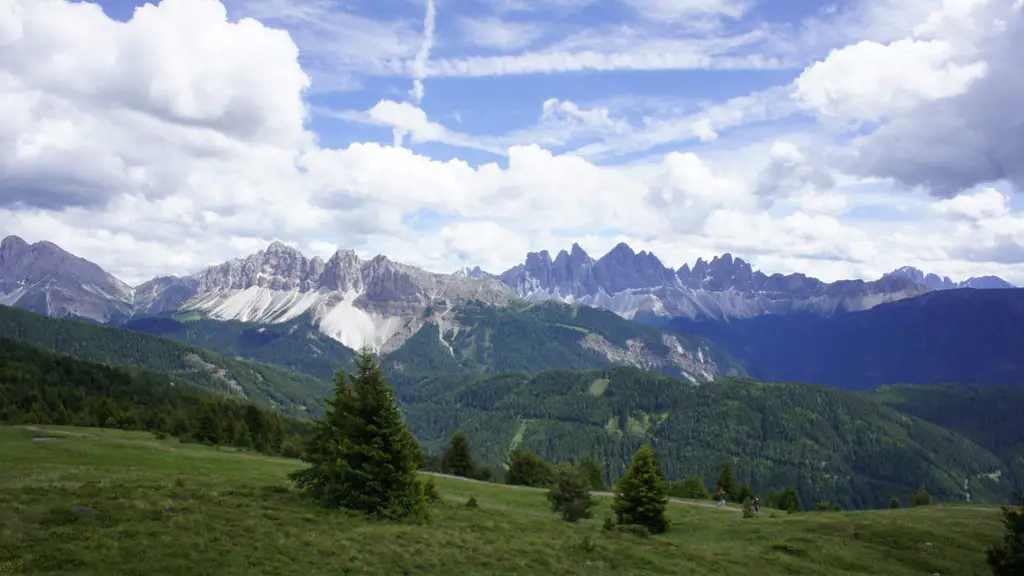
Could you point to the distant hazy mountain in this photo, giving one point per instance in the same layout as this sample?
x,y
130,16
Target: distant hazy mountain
x,y
935,282
633,284
44,278
949,336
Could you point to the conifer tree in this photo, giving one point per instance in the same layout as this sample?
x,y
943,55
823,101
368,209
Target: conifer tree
x,y
362,455
457,459
209,427
641,495
1007,559
726,480
570,494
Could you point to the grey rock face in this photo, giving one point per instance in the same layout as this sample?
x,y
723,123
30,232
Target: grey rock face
x,y
45,279
631,283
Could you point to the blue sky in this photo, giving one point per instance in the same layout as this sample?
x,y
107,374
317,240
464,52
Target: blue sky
x,y
839,140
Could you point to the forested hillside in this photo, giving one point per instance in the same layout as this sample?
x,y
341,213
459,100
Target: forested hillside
x,y
992,416
481,339
40,387
265,384
833,445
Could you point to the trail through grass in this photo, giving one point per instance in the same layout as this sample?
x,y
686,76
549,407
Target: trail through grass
x,y
104,502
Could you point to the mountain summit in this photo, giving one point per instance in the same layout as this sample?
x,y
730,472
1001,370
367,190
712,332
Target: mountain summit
x,y
44,278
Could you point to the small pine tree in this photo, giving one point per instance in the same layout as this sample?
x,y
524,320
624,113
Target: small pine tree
x,y
894,503
640,496
726,480
787,499
362,455
457,459
1007,558
570,494
922,498
592,470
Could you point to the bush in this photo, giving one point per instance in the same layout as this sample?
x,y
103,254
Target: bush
x,y
922,498
570,494
527,469
748,508
471,503
894,503
691,487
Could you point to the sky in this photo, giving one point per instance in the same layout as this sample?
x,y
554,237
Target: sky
x,y
839,140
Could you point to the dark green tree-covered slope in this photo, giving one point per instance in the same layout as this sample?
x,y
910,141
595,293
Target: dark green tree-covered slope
x,y
479,339
41,387
833,445
265,384
296,344
992,416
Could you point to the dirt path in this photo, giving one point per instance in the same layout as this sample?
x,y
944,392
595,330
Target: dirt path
x,y
601,494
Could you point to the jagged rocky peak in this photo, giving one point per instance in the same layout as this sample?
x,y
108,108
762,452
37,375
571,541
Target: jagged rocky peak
x,y
278,267
623,269
342,272
475,273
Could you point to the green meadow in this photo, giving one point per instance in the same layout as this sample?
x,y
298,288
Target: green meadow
x,y
106,502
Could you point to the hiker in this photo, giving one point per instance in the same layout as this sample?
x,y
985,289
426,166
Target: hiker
x,y
757,505
721,497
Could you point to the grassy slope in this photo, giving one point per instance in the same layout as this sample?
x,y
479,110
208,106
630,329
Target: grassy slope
x,y
175,509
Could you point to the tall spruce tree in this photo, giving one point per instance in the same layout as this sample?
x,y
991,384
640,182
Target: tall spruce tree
x,y
457,459
641,496
362,455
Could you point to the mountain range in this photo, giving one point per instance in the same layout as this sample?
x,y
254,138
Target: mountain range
x,y
308,314
380,303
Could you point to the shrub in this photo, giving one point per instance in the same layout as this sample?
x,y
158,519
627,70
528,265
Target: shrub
x,y
922,498
570,494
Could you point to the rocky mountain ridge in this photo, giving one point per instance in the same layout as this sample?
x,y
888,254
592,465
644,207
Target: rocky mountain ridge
x,y
632,284
381,303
